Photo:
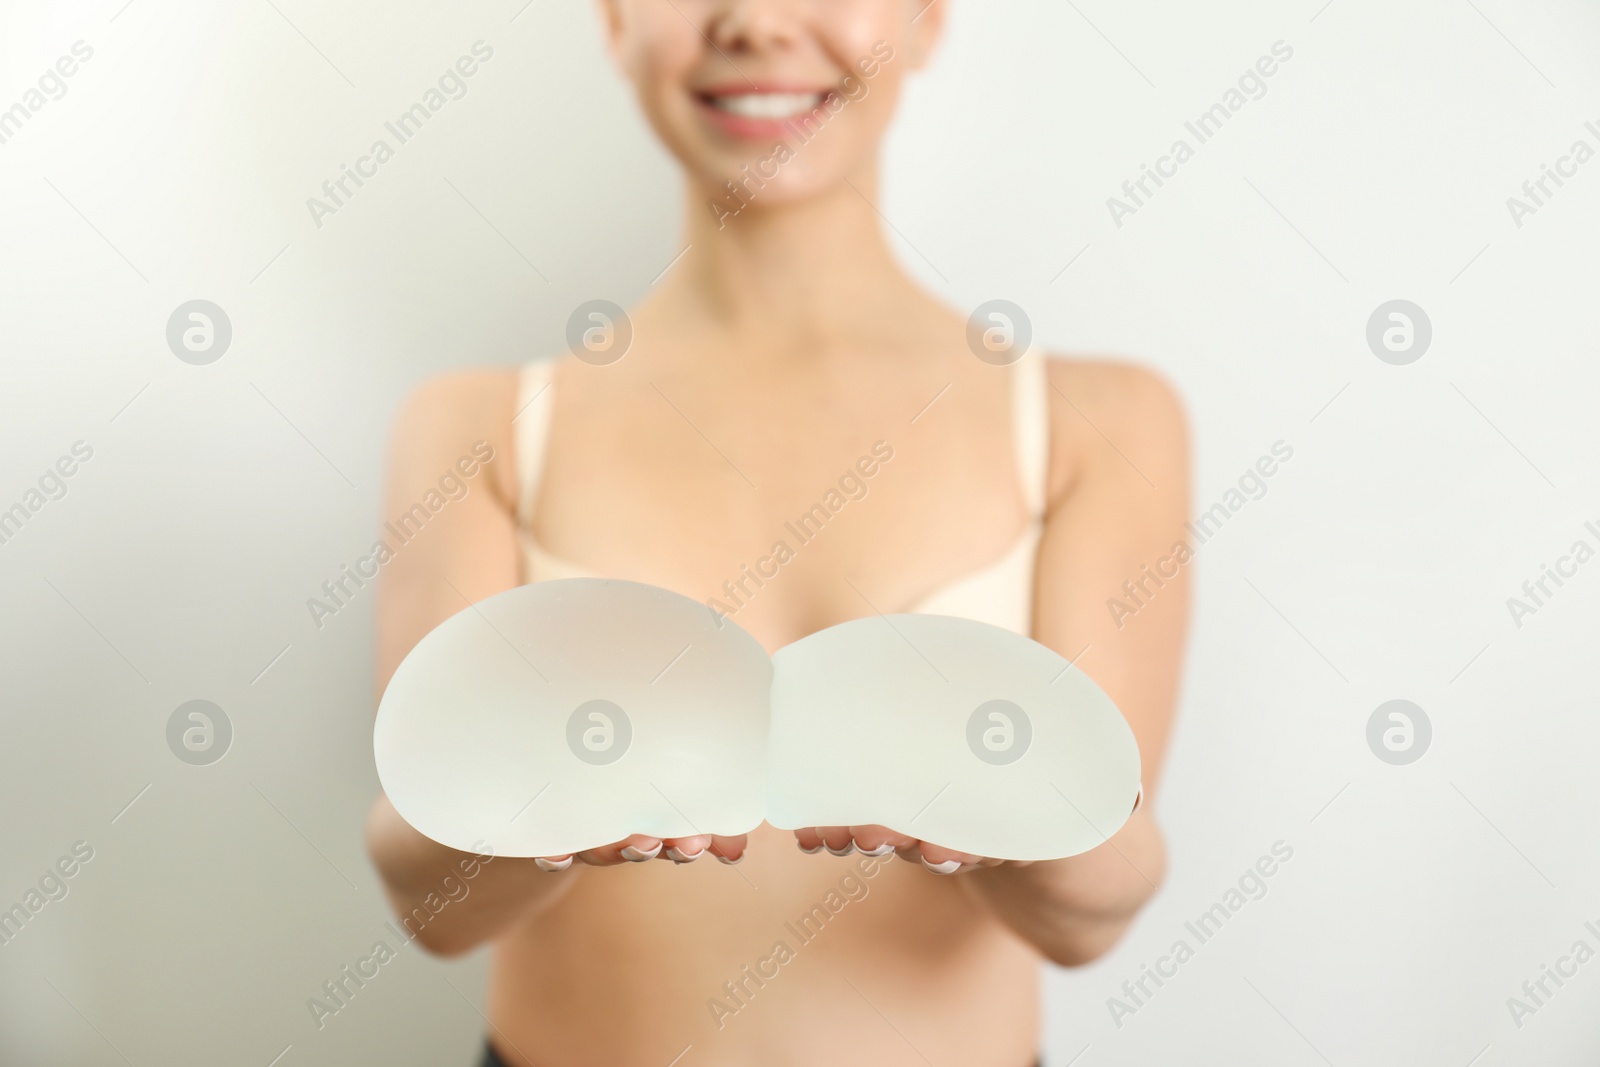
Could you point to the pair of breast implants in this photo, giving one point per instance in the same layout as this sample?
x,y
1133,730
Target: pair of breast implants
x,y
569,714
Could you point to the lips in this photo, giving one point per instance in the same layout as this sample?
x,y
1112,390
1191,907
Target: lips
x,y
757,112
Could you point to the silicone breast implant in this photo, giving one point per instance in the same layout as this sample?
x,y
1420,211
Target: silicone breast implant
x,y
949,730
568,714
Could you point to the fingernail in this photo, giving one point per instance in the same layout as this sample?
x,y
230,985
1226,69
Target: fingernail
x,y
633,854
851,847
808,851
947,867
552,865
677,855
882,850
731,863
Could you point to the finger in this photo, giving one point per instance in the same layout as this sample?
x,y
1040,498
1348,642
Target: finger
x,y
941,860
685,849
809,838
837,840
875,841
729,850
553,864
635,849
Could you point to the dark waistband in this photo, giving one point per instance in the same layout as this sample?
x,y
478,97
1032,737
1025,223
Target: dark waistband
x,y
491,1058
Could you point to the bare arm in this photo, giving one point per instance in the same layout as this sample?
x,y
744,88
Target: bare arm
x,y
465,551
1119,505
1118,502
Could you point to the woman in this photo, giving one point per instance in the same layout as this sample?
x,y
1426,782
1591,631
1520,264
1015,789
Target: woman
x,y
782,346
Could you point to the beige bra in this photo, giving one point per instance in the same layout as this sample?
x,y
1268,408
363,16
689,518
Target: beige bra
x,y
999,593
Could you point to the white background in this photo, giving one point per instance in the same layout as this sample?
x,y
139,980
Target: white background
x,y
1419,498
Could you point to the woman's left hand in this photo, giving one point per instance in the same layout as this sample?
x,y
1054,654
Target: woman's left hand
x,y
877,841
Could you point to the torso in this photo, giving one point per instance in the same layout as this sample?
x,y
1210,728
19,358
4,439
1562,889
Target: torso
x,y
626,967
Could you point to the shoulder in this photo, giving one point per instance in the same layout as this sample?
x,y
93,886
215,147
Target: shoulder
x,y
1115,420
459,396
449,416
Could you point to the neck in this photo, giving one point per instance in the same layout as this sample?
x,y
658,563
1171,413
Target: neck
x,y
814,272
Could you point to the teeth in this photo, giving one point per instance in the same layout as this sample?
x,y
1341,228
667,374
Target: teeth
x,y
767,105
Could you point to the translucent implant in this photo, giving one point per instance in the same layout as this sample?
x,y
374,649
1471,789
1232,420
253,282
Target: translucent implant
x,y
569,714
951,731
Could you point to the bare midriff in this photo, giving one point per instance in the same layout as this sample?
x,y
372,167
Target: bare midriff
x,y
784,959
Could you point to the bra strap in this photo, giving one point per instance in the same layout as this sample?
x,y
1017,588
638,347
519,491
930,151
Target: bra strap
x,y
1030,415
530,432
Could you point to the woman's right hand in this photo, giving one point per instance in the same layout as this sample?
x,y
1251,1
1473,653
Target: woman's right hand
x,y
639,849
466,898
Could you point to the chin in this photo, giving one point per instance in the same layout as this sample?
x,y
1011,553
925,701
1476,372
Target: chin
x,y
778,178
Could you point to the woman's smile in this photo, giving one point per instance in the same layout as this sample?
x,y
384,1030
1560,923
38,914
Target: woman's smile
x,y
759,111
